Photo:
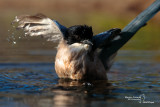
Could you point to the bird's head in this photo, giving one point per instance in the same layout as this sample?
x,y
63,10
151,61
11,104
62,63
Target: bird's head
x,y
79,34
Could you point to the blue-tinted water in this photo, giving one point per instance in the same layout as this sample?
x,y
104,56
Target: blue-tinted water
x,y
31,84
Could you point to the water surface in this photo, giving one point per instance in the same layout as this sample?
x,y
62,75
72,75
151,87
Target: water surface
x,y
35,84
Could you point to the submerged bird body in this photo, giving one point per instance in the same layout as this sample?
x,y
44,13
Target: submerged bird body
x,y
78,50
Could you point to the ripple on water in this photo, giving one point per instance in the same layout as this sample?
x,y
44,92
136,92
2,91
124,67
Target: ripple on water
x,y
32,82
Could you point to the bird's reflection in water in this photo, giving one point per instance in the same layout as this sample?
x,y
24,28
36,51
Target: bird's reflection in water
x,y
70,92
65,93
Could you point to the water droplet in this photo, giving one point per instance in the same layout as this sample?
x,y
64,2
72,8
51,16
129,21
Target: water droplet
x,y
14,42
25,34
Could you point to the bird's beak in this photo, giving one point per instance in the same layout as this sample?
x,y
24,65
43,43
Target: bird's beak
x,y
87,42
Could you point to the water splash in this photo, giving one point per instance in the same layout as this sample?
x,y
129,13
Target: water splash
x,y
11,36
14,35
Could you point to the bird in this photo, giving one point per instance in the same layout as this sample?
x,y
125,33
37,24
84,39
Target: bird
x,y
78,51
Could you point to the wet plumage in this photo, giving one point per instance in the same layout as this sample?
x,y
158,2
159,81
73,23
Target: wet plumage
x,y
78,50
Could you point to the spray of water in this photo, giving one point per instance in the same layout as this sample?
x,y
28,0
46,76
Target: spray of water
x,y
14,34
11,36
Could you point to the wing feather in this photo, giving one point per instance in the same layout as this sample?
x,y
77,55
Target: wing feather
x,y
40,25
103,41
105,38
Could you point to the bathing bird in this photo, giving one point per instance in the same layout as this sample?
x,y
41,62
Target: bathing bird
x,y
78,51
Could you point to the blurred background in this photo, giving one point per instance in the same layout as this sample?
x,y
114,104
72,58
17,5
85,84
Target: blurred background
x,y
100,14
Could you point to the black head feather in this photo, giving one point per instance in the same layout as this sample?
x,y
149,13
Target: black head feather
x,y
79,33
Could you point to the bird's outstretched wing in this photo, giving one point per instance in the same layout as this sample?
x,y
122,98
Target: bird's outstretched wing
x,y
40,25
103,42
105,38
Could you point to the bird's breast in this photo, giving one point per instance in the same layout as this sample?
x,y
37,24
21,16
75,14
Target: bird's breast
x,y
74,62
